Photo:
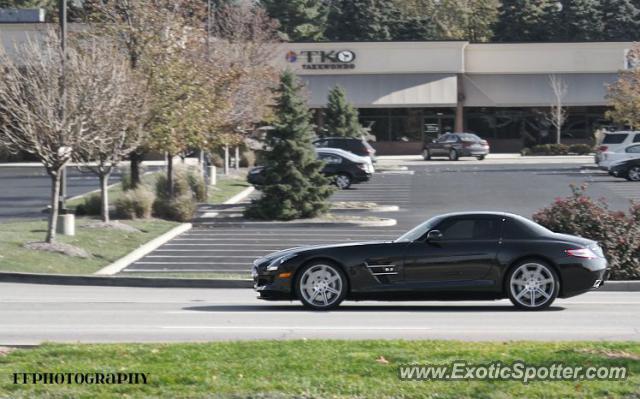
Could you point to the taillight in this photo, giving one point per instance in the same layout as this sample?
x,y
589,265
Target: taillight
x,y
603,148
584,253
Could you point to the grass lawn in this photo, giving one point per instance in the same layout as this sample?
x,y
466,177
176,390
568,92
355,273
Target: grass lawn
x,y
105,246
314,369
227,187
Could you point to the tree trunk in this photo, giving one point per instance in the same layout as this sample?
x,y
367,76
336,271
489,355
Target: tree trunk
x,y
558,133
104,196
237,163
136,159
53,213
170,174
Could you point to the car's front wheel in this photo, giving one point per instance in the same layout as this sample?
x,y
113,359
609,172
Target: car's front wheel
x,y
321,286
532,285
343,181
453,155
426,154
634,173
480,157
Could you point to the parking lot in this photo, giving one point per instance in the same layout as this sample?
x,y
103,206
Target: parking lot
x,y
226,244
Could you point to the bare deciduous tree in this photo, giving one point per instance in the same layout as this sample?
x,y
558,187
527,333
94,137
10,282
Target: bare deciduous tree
x,y
557,116
33,115
624,94
117,107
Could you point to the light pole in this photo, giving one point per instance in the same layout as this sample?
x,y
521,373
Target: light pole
x,y
62,15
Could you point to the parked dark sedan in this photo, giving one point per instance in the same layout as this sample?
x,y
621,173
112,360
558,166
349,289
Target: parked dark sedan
x,y
343,168
483,255
456,145
629,170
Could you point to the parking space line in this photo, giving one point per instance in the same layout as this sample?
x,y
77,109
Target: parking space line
x,y
192,263
200,256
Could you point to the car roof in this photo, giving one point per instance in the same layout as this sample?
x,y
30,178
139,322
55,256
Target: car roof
x,y
480,213
623,132
346,154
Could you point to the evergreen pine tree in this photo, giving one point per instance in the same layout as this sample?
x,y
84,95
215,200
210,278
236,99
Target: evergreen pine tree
x,y
340,117
300,20
523,20
578,20
621,19
361,20
294,186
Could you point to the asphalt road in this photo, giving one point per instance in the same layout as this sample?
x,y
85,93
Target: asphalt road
x,y
31,314
25,190
225,244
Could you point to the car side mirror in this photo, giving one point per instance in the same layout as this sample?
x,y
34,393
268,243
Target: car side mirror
x,y
434,235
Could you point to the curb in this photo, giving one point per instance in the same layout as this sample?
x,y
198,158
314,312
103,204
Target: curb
x,y
240,196
143,250
620,286
150,282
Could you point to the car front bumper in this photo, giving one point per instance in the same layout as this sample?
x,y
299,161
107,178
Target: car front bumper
x,y
270,286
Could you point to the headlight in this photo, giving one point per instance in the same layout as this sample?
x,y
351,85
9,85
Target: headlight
x,y
273,266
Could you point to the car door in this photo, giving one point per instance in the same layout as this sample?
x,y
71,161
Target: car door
x,y
332,163
437,147
465,253
632,152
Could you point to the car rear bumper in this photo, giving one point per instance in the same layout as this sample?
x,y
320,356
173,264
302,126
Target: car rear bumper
x,y
474,152
580,278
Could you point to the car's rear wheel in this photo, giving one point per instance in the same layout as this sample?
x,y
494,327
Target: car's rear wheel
x,y
453,155
343,181
321,286
532,285
426,154
634,173
480,157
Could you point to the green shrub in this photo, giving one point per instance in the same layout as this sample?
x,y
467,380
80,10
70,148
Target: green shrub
x,y
550,149
135,203
91,205
197,185
525,152
580,149
247,159
617,232
217,160
181,209
125,179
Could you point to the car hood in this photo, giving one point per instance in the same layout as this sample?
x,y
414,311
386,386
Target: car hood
x,y
308,248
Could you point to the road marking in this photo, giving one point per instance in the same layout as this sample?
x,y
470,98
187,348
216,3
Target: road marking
x,y
272,230
192,263
208,215
210,250
201,256
278,328
257,240
165,270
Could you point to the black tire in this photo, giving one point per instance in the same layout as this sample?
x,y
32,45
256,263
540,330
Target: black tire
x,y
523,302
453,155
343,181
633,174
426,154
481,157
321,272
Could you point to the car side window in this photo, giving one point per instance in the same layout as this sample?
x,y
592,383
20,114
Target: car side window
x,y
512,230
469,229
634,149
443,139
636,139
452,138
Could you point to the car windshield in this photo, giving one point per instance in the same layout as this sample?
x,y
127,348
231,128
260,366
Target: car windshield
x,y
419,230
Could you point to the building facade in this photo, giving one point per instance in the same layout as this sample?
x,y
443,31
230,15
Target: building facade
x,y
408,92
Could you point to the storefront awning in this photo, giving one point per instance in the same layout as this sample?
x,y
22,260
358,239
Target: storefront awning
x,y
370,91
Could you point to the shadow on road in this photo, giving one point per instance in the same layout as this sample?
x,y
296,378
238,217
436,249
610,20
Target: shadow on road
x,y
363,308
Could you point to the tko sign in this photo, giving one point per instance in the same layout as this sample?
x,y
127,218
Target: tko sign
x,y
319,59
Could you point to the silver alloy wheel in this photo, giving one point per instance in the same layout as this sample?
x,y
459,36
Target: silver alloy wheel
x,y
426,155
634,173
343,182
532,285
453,155
321,285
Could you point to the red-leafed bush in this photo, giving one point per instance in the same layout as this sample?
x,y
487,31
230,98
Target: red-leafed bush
x,y
617,232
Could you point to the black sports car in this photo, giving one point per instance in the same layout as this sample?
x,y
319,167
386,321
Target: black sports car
x,y
482,255
629,170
